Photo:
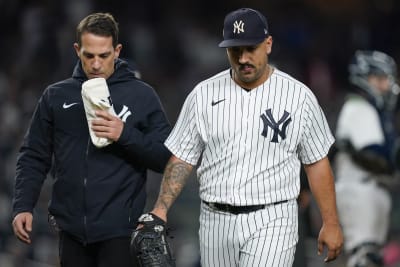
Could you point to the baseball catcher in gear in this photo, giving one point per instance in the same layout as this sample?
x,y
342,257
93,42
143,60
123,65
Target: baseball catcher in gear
x,y
149,243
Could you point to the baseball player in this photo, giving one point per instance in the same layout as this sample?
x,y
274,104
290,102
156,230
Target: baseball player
x,y
252,126
366,142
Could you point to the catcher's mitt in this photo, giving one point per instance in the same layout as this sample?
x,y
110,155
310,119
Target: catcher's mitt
x,y
149,243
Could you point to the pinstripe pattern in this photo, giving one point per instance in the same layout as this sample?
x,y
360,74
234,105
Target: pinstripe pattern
x,y
252,144
266,237
239,165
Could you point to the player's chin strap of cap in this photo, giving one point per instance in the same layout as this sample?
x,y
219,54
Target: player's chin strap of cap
x,y
240,209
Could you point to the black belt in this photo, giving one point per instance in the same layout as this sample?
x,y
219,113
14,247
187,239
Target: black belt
x,y
240,209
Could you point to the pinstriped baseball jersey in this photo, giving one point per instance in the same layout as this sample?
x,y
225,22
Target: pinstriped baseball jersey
x,y
251,142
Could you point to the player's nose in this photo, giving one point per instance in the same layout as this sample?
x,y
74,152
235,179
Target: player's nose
x,y
243,57
96,64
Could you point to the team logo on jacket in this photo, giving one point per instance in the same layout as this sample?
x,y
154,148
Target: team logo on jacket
x,y
124,113
279,127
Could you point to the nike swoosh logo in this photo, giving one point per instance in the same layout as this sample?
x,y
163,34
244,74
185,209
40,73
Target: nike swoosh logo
x,y
213,103
65,105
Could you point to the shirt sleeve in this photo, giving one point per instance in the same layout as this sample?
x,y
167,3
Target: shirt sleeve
x,y
185,141
317,137
34,158
359,124
145,143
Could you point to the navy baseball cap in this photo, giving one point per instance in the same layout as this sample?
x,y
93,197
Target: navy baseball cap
x,y
244,27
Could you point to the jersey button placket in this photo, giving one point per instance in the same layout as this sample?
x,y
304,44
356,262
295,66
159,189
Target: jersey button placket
x,y
245,120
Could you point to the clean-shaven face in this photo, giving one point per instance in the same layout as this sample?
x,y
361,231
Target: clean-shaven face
x,y
97,55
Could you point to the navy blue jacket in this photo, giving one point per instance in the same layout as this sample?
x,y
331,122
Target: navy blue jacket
x,y
98,193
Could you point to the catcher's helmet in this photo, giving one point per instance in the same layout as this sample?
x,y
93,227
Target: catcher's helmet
x,y
368,62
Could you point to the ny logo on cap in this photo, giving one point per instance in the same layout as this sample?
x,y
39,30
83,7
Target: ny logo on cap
x,y
238,27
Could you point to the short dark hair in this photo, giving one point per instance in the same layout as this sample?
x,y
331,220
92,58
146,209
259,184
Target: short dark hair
x,y
102,24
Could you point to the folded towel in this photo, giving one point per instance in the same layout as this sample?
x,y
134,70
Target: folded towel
x,y
96,96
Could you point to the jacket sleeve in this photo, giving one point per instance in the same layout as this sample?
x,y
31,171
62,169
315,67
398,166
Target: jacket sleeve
x,y
145,142
34,158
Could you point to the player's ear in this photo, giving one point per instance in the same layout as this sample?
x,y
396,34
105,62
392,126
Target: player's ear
x,y
268,43
117,50
77,49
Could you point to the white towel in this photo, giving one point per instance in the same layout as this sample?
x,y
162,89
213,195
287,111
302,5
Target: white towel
x,y
96,96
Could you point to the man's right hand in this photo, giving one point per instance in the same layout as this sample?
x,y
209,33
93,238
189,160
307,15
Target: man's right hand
x,y
22,226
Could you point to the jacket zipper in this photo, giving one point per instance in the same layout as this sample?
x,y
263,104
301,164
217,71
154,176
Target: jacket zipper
x,y
84,194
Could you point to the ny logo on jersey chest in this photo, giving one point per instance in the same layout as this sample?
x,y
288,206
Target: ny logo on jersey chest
x,y
270,122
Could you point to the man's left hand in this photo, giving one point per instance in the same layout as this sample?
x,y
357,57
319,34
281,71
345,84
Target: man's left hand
x,y
330,236
107,125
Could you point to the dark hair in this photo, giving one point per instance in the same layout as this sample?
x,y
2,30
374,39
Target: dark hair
x,y
102,24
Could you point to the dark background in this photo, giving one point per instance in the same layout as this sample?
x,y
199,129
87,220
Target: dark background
x,y
174,45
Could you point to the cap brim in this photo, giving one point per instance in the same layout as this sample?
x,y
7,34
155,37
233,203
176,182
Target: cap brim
x,y
238,42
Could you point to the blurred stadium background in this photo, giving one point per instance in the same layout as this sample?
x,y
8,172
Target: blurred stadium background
x,y
174,45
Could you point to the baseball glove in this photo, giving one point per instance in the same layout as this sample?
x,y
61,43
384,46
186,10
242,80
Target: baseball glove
x,y
149,243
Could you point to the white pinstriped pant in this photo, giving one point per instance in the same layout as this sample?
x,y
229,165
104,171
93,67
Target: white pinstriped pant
x,y
265,238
